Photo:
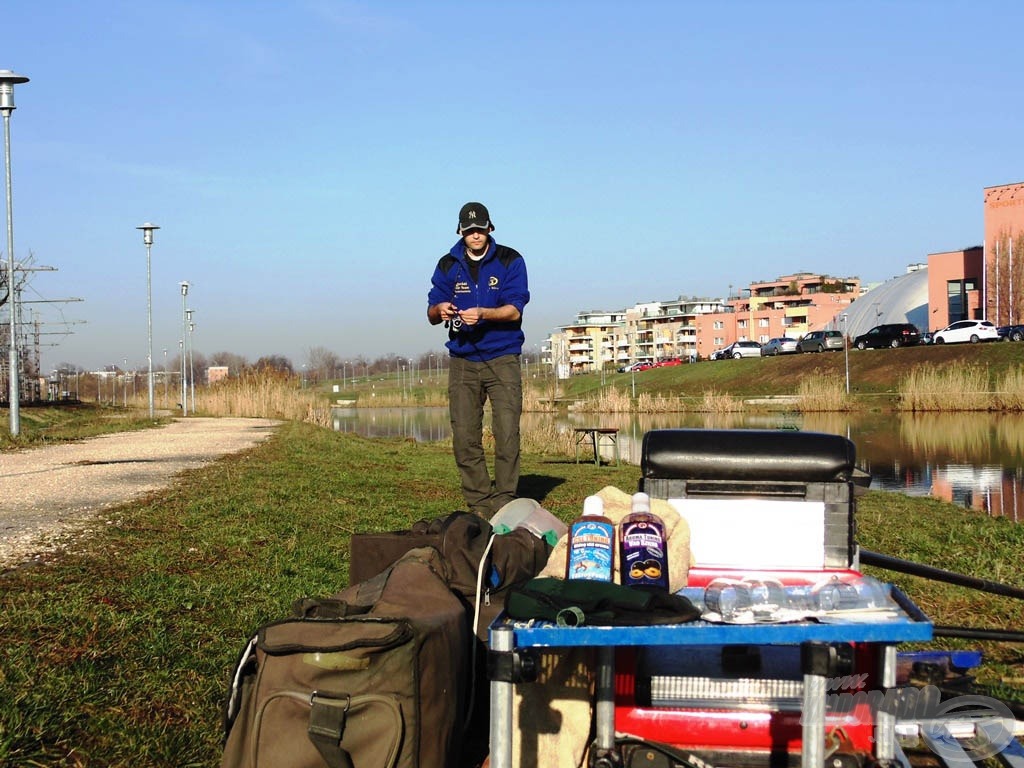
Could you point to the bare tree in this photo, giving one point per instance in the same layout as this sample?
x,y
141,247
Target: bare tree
x,y
322,362
1005,275
278,363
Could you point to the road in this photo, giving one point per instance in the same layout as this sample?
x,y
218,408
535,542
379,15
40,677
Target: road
x,y
48,493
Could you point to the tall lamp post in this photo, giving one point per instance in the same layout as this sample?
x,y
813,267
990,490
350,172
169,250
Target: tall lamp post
x,y
846,352
191,360
7,82
184,336
147,239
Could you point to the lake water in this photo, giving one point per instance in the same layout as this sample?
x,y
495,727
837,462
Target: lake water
x,y
975,460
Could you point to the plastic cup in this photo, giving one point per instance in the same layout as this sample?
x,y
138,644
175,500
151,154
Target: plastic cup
x,y
727,597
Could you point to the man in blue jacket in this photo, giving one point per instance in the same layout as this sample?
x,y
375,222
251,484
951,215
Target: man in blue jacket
x,y
479,290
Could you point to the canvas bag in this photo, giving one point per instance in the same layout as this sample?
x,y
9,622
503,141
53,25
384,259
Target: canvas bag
x,y
375,677
465,541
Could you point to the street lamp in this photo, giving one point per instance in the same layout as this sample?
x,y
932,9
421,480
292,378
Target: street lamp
x,y
147,239
191,360
165,377
7,82
184,335
846,352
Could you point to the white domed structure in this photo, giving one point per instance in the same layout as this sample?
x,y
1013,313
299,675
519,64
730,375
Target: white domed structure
x,y
903,299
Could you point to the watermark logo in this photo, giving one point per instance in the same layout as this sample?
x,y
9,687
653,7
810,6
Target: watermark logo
x,y
971,725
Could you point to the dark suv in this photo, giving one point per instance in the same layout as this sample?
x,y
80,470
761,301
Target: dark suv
x,y
889,335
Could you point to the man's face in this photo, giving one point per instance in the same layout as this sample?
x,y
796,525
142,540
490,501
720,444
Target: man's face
x,y
475,239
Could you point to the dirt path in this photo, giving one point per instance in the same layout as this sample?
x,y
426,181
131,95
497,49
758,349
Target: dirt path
x,y
48,492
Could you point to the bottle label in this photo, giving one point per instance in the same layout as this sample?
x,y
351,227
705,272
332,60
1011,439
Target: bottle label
x,y
643,555
590,551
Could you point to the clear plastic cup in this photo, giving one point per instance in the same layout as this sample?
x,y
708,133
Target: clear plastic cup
x,y
727,597
834,595
767,595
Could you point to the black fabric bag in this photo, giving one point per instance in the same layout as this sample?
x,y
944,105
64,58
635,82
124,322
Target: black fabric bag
x,y
578,602
464,541
378,676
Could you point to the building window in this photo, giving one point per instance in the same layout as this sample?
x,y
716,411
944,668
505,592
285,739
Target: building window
x,y
956,299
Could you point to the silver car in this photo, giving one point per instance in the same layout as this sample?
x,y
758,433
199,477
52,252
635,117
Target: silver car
x,y
739,349
819,341
783,345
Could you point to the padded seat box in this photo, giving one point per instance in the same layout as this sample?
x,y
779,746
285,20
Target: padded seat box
x,y
743,465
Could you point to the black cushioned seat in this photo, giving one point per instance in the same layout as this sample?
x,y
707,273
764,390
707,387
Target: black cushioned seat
x,y
738,464
747,454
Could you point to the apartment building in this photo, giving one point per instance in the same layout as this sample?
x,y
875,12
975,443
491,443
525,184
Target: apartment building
x,y
693,328
790,305
647,332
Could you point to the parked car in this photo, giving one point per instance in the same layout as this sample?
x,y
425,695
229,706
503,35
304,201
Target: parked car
x,y
668,362
971,331
888,335
643,365
739,349
783,345
927,338
1011,332
819,341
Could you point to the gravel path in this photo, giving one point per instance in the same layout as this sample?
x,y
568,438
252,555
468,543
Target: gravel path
x,y
47,493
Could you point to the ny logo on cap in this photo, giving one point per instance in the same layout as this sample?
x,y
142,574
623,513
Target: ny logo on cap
x,y
472,214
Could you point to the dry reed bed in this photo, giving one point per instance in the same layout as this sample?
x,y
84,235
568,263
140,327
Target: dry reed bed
x,y
924,389
964,388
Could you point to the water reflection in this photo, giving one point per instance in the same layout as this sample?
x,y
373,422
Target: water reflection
x,y
975,460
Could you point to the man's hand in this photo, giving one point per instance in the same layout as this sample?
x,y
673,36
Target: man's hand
x,y
443,311
472,316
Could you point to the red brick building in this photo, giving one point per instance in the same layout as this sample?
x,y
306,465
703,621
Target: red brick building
x,y
1003,281
955,280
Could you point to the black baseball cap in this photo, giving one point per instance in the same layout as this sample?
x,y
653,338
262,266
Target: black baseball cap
x,y
474,216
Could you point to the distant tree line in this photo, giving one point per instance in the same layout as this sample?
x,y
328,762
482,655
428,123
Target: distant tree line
x,y
113,382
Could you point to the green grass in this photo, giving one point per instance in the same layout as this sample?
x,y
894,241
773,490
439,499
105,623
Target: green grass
x,y
41,424
117,652
875,376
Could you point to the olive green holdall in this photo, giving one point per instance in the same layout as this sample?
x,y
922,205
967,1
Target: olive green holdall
x,y
374,677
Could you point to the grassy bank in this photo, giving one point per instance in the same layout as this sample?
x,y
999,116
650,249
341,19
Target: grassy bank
x,y
117,653
991,376
58,423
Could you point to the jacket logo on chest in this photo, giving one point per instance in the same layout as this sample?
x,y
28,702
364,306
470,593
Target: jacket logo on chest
x,y
461,286
492,282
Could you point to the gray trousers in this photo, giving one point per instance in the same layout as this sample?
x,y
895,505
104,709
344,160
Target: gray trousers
x,y
470,384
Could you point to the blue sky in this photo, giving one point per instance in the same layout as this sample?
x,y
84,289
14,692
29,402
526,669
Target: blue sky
x,y
306,159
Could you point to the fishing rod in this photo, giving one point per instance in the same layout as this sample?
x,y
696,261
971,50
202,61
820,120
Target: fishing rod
x,y
867,557
978,633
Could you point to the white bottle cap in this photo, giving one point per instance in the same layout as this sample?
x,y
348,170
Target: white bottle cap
x,y
593,506
641,502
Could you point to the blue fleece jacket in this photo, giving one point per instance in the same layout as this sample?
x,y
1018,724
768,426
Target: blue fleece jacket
x,y
502,280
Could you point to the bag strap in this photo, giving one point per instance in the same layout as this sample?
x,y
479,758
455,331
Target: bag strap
x,y
245,667
327,726
326,608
